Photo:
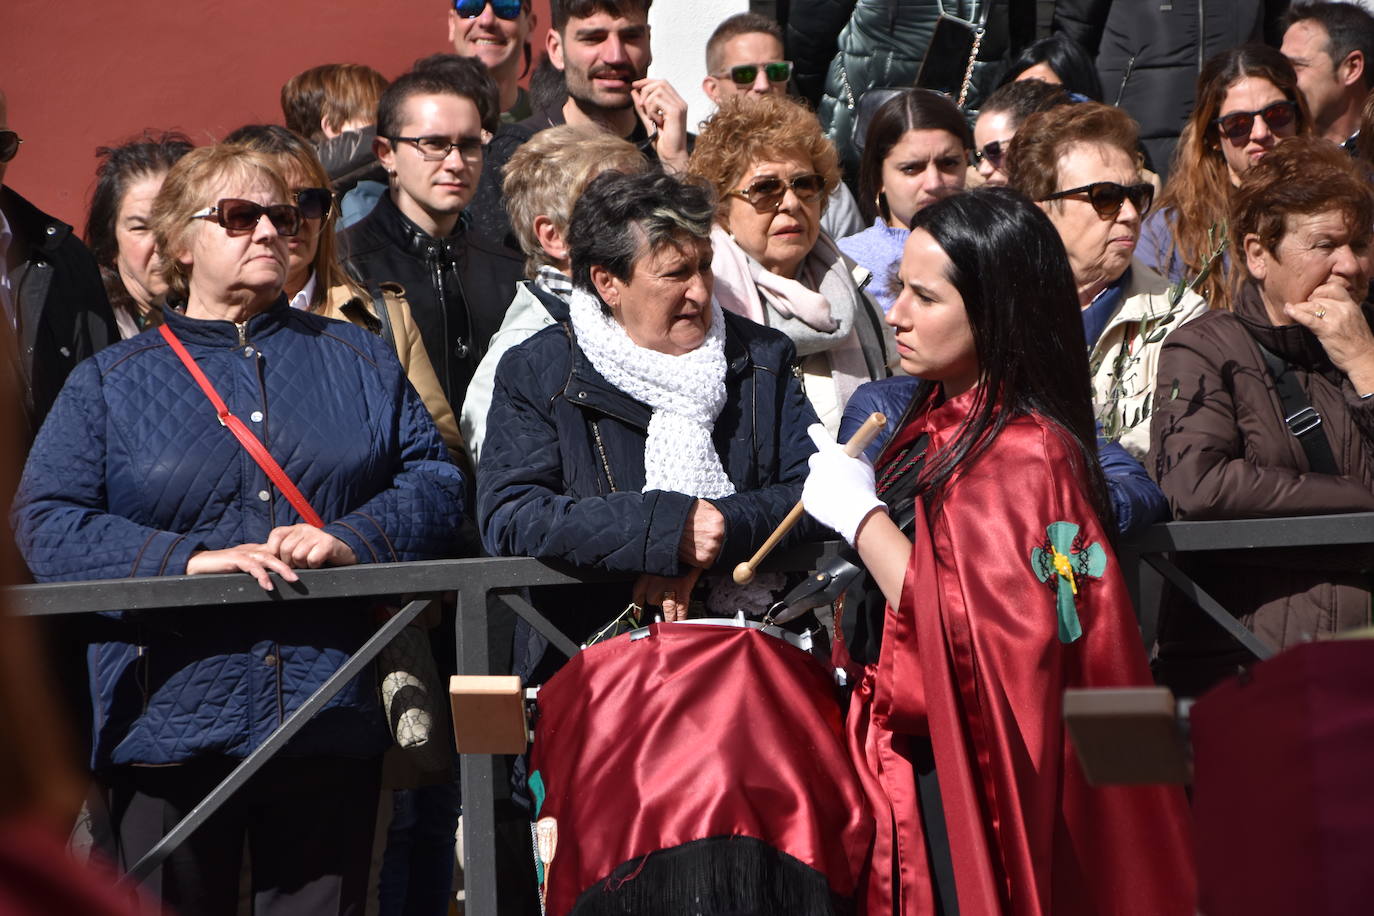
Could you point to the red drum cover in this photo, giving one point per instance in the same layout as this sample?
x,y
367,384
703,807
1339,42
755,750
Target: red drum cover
x,y
693,732
1283,785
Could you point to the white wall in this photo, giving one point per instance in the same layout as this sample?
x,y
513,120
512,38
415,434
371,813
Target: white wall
x,y
680,30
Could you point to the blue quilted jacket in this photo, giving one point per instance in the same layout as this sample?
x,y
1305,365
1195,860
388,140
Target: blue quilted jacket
x,y
132,473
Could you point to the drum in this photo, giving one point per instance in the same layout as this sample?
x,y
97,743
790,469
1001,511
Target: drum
x,y
696,767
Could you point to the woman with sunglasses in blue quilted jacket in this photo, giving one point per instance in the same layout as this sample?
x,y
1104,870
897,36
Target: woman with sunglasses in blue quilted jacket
x,y
146,468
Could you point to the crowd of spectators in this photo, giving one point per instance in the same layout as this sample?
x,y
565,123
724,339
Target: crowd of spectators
x,y
448,313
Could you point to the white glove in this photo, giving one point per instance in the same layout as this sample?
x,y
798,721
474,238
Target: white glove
x,y
840,491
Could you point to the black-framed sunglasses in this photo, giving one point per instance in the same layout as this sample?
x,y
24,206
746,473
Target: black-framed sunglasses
x,y
1238,124
767,193
9,145
314,203
777,71
240,215
1107,197
993,152
504,9
436,148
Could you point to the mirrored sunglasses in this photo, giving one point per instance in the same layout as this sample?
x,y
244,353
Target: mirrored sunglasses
x,y
9,145
243,215
504,9
1107,197
778,71
314,203
767,193
1238,124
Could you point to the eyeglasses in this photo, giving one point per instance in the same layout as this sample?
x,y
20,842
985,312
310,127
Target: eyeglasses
x,y
1107,197
435,149
9,145
314,203
504,9
778,71
767,193
992,152
243,215
1237,124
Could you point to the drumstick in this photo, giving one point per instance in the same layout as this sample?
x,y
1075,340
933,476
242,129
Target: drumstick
x,y
853,448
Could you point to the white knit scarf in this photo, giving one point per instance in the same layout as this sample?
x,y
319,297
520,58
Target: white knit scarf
x,y
686,393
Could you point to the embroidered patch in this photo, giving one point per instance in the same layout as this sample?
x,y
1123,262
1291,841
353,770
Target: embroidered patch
x,y
1059,562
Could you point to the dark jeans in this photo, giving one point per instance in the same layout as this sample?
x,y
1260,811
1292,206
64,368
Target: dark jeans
x,y
308,822
417,869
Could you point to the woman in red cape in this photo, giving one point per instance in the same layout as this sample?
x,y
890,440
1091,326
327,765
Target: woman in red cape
x,y
1002,590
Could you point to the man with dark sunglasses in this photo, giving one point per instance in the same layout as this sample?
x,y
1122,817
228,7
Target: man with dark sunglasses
x,y
496,32
744,56
1329,46
50,293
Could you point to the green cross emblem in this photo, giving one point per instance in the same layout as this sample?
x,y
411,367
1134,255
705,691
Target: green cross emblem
x,y
1061,560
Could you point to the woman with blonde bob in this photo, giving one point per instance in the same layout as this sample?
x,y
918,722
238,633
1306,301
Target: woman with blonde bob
x,y
139,470
316,280
773,170
541,183
1247,101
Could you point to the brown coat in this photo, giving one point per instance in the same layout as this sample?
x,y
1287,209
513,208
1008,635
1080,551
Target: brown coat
x,y
1221,450
343,303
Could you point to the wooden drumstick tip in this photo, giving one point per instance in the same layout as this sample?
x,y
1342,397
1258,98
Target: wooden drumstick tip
x,y
743,574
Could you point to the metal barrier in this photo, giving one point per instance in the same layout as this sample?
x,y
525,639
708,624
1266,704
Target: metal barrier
x,y
474,580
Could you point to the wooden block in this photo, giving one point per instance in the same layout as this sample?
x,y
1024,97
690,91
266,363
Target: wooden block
x,y
488,714
1126,735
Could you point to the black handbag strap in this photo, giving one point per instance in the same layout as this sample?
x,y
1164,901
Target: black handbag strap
x,y
383,314
1301,417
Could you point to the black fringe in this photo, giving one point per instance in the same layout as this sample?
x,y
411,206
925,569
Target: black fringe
x,y
719,876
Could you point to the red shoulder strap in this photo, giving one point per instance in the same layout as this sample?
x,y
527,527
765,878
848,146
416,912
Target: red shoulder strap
x,y
256,450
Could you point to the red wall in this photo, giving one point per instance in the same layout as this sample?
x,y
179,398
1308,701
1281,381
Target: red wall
x,y
82,73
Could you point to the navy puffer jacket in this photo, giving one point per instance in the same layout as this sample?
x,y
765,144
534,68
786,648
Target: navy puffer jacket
x,y
563,464
132,473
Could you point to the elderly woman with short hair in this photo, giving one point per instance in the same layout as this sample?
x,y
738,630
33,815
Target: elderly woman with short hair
x,y
773,170
1234,388
1080,163
651,431
135,473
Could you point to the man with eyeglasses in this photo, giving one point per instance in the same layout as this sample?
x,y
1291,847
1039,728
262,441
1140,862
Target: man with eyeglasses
x,y
496,32
50,293
602,49
1329,46
744,56
432,127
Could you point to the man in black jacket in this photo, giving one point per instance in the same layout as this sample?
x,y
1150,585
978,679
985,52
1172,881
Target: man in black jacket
x,y
432,129
50,293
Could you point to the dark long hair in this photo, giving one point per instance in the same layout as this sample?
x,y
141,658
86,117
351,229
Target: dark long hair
x,y
121,166
911,109
1010,267
1067,58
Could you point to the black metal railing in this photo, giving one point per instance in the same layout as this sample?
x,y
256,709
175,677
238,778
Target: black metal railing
x,y
1144,559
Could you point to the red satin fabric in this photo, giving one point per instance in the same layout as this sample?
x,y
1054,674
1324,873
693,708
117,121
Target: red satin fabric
x,y
972,658
694,732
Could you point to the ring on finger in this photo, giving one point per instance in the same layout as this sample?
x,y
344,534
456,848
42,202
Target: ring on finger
x,y
1321,312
